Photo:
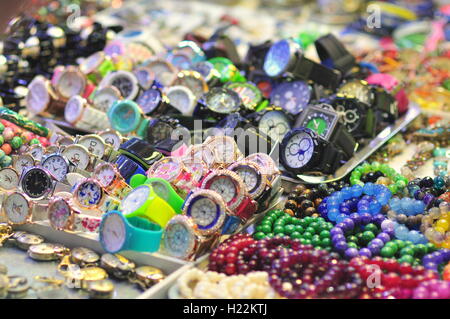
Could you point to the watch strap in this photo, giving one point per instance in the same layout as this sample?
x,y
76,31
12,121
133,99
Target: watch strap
x,y
109,203
159,211
143,235
306,69
333,54
231,224
332,159
174,200
127,167
343,140
246,209
386,104
86,223
39,210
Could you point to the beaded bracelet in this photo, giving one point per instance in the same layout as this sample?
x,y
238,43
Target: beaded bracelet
x,y
309,230
381,174
313,274
428,189
406,211
446,272
436,225
340,204
398,280
437,260
432,289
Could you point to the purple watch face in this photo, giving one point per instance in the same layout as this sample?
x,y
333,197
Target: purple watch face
x,y
277,58
149,100
293,97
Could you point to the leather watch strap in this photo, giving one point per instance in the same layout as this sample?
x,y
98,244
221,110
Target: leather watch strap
x,y
333,54
306,69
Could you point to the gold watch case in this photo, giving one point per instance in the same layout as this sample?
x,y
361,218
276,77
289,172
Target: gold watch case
x,y
26,240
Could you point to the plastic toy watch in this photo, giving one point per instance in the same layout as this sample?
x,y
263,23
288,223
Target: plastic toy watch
x,y
162,188
143,201
119,233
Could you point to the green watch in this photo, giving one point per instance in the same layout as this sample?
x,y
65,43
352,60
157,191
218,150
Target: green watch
x,y
228,71
162,188
143,201
125,116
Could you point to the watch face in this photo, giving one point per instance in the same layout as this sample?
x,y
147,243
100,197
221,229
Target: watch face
x,y
105,97
200,153
9,179
59,213
193,81
37,151
124,116
205,68
204,212
274,124
149,100
251,177
160,189
349,113
164,72
113,232
111,138
94,144
38,97
277,58
91,63
78,155
36,182
321,121
159,131
225,149
89,193
358,90
105,174
145,77
299,150
265,162
74,109
181,98
125,82
57,165
224,186
16,208
291,96
71,82
22,162
221,100
168,168
180,60
249,94
179,238
135,199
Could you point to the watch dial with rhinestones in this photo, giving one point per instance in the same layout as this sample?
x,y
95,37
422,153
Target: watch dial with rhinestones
x,y
349,114
225,187
357,90
57,165
135,199
291,96
299,150
36,182
274,124
178,239
204,212
149,100
16,208
277,58
77,155
224,101
59,214
22,162
167,169
251,178
113,233
89,193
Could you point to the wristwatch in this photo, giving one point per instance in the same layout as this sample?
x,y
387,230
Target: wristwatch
x,y
109,177
117,265
209,212
227,70
93,143
89,194
164,71
253,177
285,56
38,183
193,80
42,100
217,103
393,86
172,170
103,98
63,215
97,66
153,102
267,165
20,210
251,97
70,81
125,116
20,162
182,99
125,81
232,188
83,116
359,119
78,155
273,121
183,240
119,233
111,138
59,166
140,151
209,73
333,54
225,149
161,128
144,202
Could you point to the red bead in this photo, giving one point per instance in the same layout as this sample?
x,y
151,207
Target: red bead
x,y
390,265
231,258
408,281
405,268
230,269
391,280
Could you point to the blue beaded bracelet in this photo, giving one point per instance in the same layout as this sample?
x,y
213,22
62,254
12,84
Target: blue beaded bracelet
x,y
403,233
367,199
407,206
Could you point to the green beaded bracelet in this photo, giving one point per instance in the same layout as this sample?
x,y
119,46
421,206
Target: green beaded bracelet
x,y
398,183
406,251
309,230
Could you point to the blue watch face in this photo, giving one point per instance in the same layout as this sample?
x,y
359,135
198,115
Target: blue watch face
x,y
204,68
204,212
179,60
149,100
124,117
291,96
89,194
299,150
277,58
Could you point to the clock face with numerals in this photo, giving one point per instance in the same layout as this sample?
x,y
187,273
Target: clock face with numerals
x,y
225,187
36,182
16,208
113,232
299,150
204,211
250,176
320,120
57,165
291,96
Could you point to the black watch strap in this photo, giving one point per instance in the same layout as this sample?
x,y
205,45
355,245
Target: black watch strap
x,y
140,151
333,54
333,157
342,139
386,104
306,69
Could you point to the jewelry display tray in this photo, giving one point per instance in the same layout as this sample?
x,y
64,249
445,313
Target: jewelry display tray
x,y
19,263
360,156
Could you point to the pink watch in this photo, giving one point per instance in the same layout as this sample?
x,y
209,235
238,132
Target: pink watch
x,y
172,170
391,84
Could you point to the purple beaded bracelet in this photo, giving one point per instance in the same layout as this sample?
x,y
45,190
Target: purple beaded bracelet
x,y
339,241
433,260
